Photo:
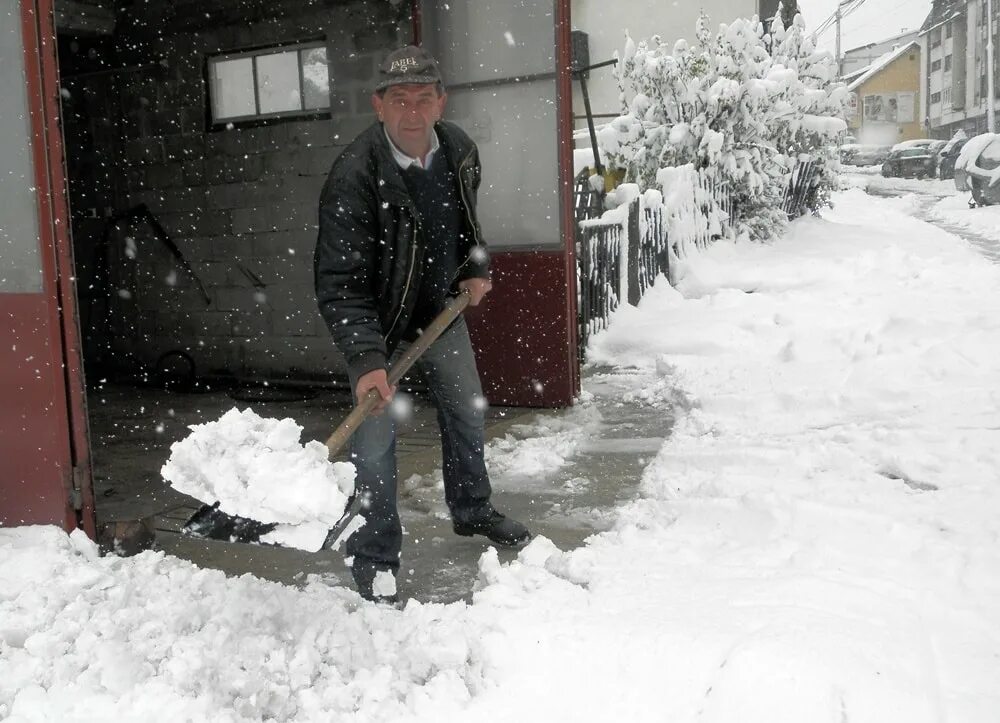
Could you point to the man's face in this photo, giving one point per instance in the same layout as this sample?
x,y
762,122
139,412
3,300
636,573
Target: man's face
x,y
409,113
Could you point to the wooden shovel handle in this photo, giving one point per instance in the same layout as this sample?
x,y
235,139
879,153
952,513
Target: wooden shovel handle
x,y
443,320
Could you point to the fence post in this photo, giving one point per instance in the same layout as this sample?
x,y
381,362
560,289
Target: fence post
x,y
634,237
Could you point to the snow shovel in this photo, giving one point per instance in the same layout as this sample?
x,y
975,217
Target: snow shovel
x,y
214,523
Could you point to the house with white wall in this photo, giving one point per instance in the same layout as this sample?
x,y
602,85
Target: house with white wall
x,y
861,57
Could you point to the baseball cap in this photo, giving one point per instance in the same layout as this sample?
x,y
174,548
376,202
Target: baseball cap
x,y
409,64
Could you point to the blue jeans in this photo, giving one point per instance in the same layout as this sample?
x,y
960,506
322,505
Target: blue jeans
x,y
449,370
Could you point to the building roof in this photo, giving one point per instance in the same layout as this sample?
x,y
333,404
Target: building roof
x,y
859,77
903,34
941,10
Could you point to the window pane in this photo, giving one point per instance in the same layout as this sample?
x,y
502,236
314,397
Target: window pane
x,y
20,256
315,78
232,88
278,82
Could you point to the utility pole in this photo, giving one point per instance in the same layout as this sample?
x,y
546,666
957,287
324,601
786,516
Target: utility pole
x,y
840,65
990,91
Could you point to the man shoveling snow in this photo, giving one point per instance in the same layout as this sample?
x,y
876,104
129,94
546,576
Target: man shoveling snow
x,y
409,182
397,235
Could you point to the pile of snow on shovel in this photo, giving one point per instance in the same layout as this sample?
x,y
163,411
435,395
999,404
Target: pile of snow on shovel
x,y
256,467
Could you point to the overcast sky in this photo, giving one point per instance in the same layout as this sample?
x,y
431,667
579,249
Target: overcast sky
x,y
873,20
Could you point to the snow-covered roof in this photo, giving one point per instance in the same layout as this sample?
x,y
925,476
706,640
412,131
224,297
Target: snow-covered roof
x,y
856,79
941,11
899,36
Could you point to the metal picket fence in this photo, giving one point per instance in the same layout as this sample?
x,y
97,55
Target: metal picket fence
x,y
620,259
801,186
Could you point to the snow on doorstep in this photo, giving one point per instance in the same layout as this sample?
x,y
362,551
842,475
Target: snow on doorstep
x,y
255,467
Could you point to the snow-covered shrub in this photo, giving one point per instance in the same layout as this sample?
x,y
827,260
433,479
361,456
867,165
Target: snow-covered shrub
x,y
728,106
818,105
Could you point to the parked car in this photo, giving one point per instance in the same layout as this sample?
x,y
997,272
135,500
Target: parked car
x,y
861,154
915,143
947,157
914,162
977,169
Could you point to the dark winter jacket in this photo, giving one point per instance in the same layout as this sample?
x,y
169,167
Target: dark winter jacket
x,y
369,254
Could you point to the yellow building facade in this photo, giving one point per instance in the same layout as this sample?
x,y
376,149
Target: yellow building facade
x,y
886,98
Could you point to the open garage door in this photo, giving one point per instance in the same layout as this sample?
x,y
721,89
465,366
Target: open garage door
x,y
44,455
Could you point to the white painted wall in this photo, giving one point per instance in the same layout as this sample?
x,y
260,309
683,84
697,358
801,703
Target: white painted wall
x,y
856,59
606,21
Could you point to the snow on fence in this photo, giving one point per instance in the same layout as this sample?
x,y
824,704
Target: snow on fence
x,y
621,253
801,185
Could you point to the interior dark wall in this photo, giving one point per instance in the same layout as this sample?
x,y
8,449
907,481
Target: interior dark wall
x,y
240,203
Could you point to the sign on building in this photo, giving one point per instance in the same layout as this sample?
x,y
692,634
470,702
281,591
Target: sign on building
x,y
890,107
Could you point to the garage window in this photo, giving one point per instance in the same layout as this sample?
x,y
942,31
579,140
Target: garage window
x,y
275,82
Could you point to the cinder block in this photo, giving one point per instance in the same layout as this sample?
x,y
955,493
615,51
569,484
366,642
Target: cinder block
x,y
254,324
304,188
309,134
320,161
194,118
165,175
212,323
270,244
213,222
231,248
217,273
231,195
252,167
242,220
375,38
354,68
290,297
165,122
242,299
278,163
194,172
145,151
345,129
179,147
225,143
298,323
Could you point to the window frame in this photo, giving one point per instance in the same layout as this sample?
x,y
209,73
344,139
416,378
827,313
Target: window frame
x,y
261,119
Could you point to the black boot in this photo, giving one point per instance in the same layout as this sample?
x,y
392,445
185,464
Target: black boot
x,y
494,526
370,589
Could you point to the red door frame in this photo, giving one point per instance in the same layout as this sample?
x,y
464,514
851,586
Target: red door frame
x,y
526,334
68,501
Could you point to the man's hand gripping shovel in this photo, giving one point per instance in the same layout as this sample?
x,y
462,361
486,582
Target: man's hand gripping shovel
x,y
214,523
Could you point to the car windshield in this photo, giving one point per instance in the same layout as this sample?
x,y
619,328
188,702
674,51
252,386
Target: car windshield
x,y
992,151
909,152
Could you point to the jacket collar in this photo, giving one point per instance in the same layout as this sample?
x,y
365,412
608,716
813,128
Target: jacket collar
x,y
404,161
390,178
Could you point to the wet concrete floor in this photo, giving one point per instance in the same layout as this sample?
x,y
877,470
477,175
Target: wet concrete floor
x,y
132,429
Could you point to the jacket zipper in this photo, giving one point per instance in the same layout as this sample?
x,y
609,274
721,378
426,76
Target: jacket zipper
x,y
409,275
468,214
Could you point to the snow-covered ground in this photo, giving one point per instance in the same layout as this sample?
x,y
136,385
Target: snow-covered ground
x,y
871,178
954,210
816,540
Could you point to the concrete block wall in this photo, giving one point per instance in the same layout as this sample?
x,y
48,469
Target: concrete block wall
x,y
241,204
